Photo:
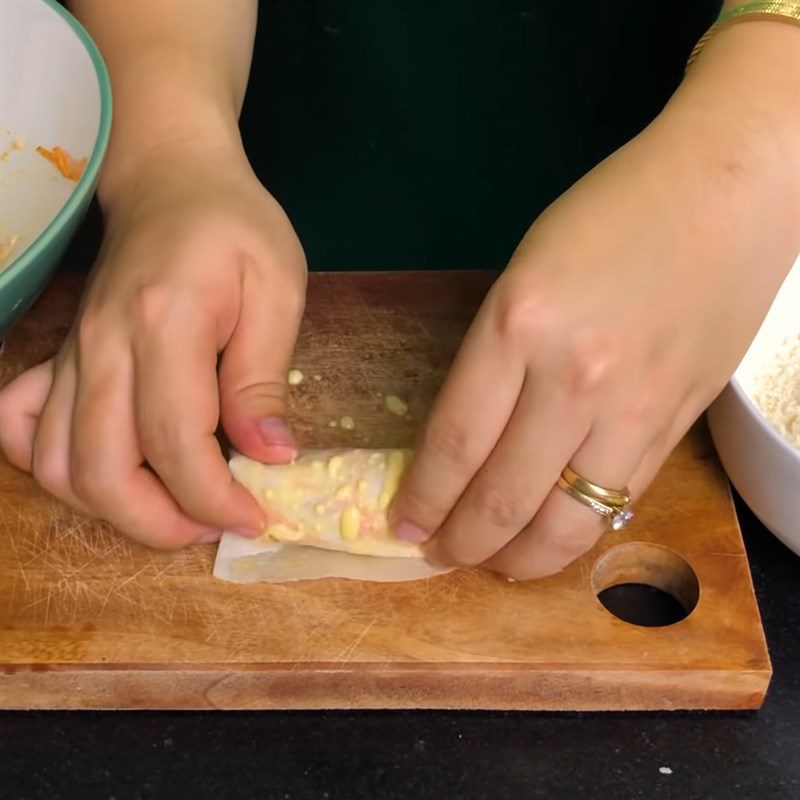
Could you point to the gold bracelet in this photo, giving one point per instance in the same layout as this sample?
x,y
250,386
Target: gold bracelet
x,y
775,10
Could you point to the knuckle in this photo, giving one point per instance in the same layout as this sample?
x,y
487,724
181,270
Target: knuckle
x,y
294,301
260,393
89,329
151,305
289,285
500,507
446,441
590,358
526,317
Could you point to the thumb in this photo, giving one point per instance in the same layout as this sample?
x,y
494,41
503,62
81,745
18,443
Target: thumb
x,y
21,403
252,380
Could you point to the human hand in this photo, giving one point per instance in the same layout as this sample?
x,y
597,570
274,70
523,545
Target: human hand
x,y
198,260
620,317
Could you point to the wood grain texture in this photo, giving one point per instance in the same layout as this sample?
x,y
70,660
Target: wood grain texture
x,y
89,619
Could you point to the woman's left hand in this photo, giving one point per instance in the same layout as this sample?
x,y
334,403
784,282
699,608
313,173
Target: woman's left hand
x,y
620,317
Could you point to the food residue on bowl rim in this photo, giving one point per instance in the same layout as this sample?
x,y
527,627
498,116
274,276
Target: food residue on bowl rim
x,y
70,167
7,246
776,390
17,143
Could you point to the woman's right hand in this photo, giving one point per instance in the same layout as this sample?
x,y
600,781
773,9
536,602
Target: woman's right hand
x,y
198,260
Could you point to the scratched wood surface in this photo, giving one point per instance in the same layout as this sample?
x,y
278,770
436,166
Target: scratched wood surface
x,y
89,619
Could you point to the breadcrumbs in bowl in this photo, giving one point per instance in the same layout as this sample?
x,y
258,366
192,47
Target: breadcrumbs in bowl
x,y
755,422
776,392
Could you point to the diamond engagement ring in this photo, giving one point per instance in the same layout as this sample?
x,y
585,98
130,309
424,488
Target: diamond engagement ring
x,y
613,504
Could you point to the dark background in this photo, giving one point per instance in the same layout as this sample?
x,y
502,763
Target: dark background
x,y
429,135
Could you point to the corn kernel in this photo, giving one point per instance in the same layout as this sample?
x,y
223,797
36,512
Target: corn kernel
x,y
343,492
394,405
284,534
394,471
334,465
349,523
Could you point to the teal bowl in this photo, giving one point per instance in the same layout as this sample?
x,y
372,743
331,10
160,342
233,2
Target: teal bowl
x,y
54,91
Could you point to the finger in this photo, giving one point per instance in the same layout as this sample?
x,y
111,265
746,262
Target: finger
x,y
107,463
177,405
468,418
51,442
509,488
564,528
654,459
253,371
21,403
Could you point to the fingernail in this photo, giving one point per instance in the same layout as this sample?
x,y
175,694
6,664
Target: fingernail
x,y
250,533
209,538
409,532
278,454
275,432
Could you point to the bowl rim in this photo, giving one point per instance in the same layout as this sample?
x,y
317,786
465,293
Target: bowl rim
x,y
762,420
85,185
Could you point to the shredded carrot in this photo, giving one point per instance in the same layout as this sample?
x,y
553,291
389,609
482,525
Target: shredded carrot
x,y
71,168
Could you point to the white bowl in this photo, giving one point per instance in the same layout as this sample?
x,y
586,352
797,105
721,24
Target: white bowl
x,y
762,465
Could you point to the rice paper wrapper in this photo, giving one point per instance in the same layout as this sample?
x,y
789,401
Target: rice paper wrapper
x,y
327,519
262,560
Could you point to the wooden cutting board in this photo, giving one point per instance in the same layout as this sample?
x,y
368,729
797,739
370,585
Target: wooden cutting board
x,y
89,619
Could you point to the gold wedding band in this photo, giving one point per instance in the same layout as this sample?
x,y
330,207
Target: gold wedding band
x,y
613,504
611,497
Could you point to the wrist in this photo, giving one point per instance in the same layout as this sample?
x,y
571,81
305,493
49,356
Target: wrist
x,y
182,109
747,80
732,127
725,147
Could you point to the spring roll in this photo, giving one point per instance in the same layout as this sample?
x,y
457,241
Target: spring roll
x,y
330,499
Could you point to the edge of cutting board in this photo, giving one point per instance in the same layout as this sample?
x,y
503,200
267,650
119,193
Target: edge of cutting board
x,y
374,686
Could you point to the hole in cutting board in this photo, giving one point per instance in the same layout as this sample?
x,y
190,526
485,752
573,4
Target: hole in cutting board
x,y
640,604
645,584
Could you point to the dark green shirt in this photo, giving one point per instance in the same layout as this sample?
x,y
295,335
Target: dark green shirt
x,y
408,134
